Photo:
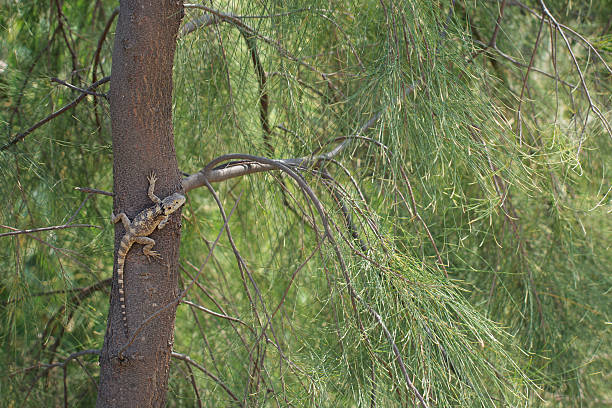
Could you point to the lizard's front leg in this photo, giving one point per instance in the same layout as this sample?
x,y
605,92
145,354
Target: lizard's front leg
x,y
148,244
152,179
163,222
124,219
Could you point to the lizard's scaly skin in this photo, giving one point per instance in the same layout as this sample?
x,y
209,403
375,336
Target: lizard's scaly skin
x,y
138,231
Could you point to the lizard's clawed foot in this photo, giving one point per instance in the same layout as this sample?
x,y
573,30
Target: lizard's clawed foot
x,y
152,178
153,254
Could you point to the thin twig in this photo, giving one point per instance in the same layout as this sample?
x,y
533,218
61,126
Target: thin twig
x,y
518,110
263,96
47,367
28,76
93,191
193,384
534,69
236,21
493,41
56,364
216,379
63,23
76,88
418,216
53,228
210,312
55,114
54,292
74,302
96,62
73,255
96,58
78,210
592,105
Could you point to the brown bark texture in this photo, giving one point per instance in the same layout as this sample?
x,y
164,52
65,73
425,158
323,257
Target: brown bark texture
x,y
143,141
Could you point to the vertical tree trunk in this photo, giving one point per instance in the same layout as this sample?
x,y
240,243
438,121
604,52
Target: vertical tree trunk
x,y
141,118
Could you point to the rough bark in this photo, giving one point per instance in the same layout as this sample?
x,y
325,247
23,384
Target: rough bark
x,y
143,140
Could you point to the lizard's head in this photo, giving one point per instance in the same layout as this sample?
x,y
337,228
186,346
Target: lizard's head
x,y
172,203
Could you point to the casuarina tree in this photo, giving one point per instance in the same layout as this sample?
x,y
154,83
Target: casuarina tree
x,y
392,203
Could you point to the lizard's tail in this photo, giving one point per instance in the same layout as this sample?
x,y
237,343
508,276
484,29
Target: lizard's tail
x,y
124,247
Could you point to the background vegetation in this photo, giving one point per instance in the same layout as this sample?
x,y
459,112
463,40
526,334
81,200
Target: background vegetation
x,y
472,210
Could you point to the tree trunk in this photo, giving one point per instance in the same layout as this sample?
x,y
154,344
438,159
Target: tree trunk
x,y
143,141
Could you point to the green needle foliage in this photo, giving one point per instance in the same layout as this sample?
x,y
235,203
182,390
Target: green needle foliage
x,y
458,249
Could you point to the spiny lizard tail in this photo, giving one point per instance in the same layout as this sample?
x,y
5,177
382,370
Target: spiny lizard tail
x,y
138,231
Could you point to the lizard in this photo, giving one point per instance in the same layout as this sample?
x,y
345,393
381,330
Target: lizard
x,y
138,231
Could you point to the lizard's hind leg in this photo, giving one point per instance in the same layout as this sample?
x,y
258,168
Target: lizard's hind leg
x,y
148,245
124,219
